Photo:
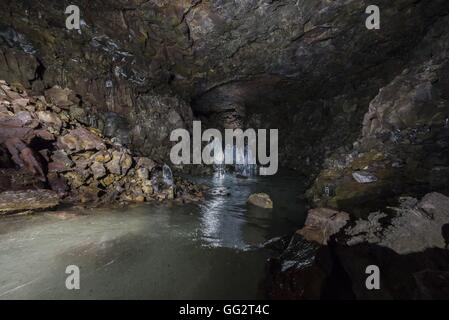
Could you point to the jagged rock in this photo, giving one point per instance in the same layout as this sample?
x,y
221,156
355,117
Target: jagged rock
x,y
50,119
147,187
436,206
142,174
98,170
24,157
415,228
120,164
108,180
261,200
88,194
11,179
147,163
364,177
79,114
74,179
408,248
26,200
80,139
59,96
57,183
322,223
25,118
60,162
102,156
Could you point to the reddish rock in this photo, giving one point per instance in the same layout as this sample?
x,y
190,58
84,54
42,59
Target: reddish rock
x,y
60,162
80,139
57,183
98,170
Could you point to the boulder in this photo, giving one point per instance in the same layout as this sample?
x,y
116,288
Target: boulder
x,y
88,194
102,156
19,201
436,205
98,170
120,164
322,223
74,179
80,139
50,119
57,183
60,162
261,200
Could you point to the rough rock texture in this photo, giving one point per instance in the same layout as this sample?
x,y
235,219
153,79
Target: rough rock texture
x,y
29,200
403,143
416,226
408,244
141,63
43,146
322,223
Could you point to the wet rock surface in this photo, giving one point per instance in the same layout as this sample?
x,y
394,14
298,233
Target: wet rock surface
x,y
42,142
261,200
408,244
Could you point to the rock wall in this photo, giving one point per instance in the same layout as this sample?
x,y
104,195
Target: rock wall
x,y
403,143
311,66
48,155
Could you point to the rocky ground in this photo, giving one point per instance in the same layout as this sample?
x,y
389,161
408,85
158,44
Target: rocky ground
x,y
328,257
47,155
362,114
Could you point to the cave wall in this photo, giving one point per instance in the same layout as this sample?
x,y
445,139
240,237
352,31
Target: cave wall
x,y
309,66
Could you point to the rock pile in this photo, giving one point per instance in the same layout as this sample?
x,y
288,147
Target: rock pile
x,y
41,136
